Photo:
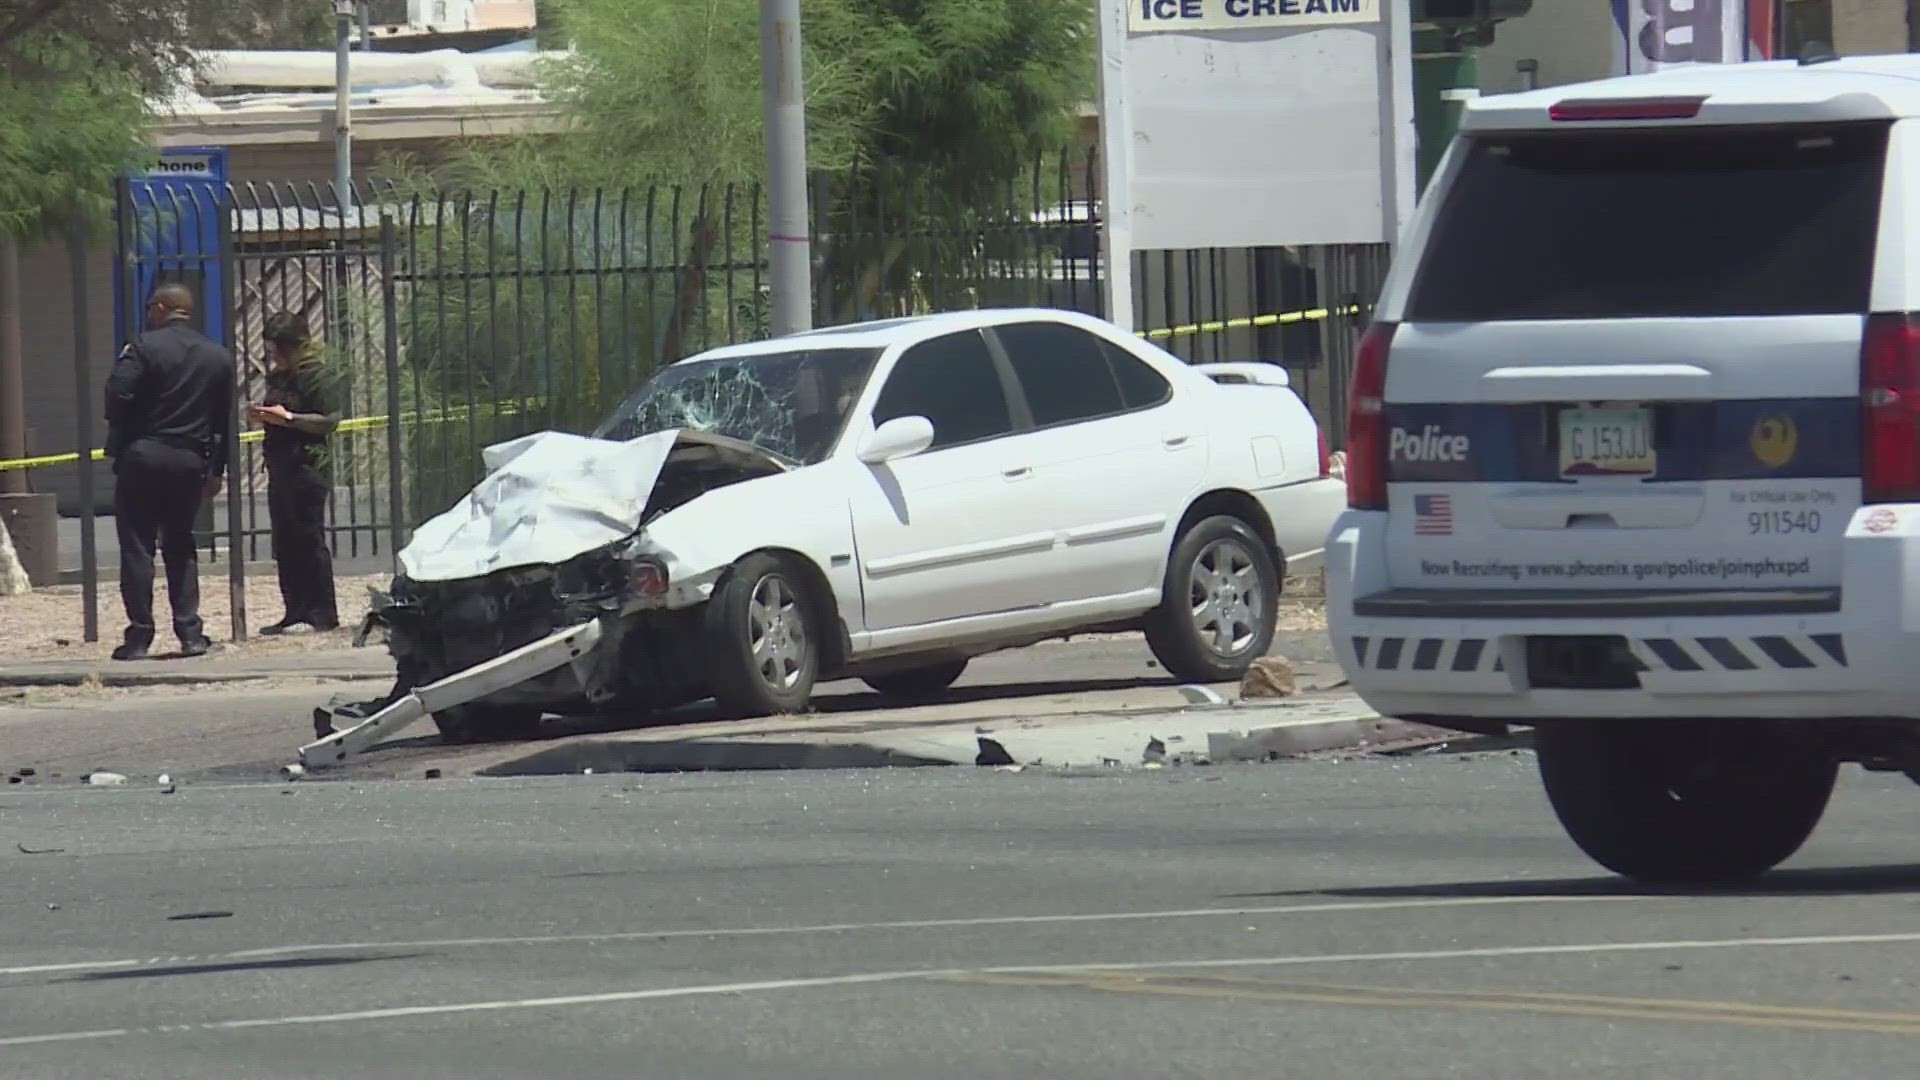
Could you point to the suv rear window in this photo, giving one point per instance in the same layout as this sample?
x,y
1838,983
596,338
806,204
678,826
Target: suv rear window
x,y
1693,223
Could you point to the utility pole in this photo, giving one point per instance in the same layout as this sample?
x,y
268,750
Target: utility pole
x,y
366,28
343,11
790,252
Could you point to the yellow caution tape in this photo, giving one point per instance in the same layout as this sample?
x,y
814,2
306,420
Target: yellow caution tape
x,y
459,412
1219,325
358,423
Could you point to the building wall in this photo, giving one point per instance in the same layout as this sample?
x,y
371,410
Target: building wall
x,y
1571,39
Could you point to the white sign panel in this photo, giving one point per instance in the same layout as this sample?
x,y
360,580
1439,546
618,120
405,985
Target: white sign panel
x,y
1156,16
1252,123
1656,34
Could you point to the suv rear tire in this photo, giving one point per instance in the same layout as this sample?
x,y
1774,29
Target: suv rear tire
x,y
1219,603
1666,806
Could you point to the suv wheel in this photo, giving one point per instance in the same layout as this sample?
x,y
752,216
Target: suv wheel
x,y
1665,806
763,644
1218,604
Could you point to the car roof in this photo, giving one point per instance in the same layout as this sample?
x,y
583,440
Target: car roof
x,y
884,333
1780,91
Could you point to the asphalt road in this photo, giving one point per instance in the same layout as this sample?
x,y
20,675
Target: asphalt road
x,y
1404,918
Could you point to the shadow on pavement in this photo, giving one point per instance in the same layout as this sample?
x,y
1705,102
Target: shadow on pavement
x,y
1823,881
289,964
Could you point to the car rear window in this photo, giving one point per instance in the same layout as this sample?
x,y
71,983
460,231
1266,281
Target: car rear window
x,y
1693,223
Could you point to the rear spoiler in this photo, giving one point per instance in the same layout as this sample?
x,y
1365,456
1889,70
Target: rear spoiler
x,y
1245,373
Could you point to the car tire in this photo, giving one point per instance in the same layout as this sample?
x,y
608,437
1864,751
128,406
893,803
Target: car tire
x,y
1710,808
1218,605
481,723
914,681
763,639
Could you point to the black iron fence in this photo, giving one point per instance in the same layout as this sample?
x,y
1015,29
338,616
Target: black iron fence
x,y
452,320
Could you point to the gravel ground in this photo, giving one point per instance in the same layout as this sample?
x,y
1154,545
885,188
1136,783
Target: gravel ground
x,y
46,623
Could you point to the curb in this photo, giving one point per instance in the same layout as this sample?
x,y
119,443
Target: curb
x,y
921,747
1299,740
177,678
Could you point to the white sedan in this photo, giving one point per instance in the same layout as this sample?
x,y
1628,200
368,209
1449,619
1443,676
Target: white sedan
x,y
882,501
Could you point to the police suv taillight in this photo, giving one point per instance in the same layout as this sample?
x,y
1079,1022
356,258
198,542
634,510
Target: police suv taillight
x,y
1890,410
1366,421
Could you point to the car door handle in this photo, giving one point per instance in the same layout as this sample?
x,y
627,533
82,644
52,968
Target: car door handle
x,y
1175,442
1020,473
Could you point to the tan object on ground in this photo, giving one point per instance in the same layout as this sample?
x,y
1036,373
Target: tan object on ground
x,y
1269,677
13,576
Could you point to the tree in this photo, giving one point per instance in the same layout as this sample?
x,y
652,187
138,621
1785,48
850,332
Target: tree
x,y
151,42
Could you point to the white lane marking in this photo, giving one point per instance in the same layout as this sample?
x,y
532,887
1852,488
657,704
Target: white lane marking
x,y
872,977
823,928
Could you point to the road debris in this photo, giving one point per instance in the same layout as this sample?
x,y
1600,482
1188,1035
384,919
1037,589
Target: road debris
x,y
191,916
167,786
25,850
992,753
1202,695
106,779
1269,677
1156,751
434,774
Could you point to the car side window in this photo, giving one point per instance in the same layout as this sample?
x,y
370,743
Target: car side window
x,y
1140,385
952,381
1063,370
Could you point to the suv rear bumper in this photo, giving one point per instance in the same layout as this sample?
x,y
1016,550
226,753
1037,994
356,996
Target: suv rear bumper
x,y
1791,653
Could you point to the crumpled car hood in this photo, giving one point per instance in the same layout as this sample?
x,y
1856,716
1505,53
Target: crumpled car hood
x,y
548,497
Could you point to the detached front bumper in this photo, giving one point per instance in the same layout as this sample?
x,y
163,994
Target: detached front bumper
x,y
1766,654
571,648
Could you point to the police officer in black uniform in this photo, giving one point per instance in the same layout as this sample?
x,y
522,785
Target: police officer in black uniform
x,y
169,419
295,409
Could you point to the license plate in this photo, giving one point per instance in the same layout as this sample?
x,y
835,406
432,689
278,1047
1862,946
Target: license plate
x,y
1606,442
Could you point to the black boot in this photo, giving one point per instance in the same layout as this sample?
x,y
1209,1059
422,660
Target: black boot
x,y
132,649
200,645
281,627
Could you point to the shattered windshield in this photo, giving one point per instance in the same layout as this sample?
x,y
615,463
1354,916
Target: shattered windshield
x,y
792,403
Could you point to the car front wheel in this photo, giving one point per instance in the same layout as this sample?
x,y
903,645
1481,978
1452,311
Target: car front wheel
x,y
763,644
1672,806
1218,605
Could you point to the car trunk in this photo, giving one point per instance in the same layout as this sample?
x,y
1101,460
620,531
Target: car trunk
x,y
1631,363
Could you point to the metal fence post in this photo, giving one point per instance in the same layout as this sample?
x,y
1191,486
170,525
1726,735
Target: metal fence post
x,y
390,307
236,555
83,417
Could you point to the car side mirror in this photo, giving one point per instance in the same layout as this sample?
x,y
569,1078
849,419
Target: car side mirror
x,y
902,436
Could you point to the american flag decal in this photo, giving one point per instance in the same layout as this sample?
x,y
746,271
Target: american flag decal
x,y
1433,515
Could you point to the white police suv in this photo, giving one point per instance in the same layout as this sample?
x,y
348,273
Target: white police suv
x,y
1634,453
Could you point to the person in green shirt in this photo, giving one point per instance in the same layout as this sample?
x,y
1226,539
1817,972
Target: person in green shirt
x,y
297,412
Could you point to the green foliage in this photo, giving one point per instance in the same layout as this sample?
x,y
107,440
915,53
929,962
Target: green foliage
x,y
151,42
924,122
67,125
76,77
668,92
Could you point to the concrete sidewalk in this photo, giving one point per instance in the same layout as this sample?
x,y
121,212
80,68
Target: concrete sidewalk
x,y
224,664
1123,729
